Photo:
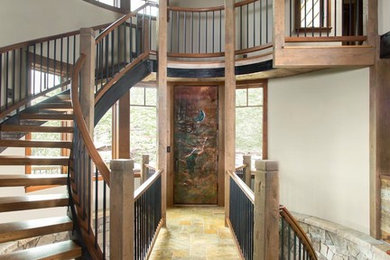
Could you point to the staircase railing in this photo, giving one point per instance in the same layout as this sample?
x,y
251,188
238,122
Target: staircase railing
x,y
263,229
35,68
148,215
294,242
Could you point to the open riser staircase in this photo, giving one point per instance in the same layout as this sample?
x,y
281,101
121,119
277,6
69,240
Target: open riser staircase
x,y
41,99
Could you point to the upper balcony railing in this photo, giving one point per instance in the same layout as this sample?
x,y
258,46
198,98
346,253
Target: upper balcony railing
x,y
200,32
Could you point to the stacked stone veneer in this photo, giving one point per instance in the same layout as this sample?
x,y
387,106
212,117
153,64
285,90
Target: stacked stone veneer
x,y
335,242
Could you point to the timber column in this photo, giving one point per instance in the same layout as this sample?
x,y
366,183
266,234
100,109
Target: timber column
x,y
88,47
162,107
229,98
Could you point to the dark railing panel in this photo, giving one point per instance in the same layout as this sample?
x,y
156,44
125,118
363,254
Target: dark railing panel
x,y
241,216
147,212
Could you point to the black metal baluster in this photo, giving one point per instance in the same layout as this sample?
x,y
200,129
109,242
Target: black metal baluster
x,y
185,33
241,27
104,218
67,57
106,53
220,30
96,206
291,15
20,73
199,28
266,22
206,31
305,18
247,26
13,76
254,25
74,49
178,30
350,19
47,66
261,22
112,67
61,57
192,32
213,42
312,17
6,79
335,18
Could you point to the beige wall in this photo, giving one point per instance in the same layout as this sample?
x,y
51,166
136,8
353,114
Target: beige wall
x,y
319,133
23,20
384,18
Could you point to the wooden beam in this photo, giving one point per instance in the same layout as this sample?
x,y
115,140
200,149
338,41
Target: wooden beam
x,y
323,56
162,109
124,127
229,98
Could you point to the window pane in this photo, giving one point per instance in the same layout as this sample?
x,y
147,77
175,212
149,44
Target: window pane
x,y
241,97
151,96
311,13
103,136
249,132
255,96
137,96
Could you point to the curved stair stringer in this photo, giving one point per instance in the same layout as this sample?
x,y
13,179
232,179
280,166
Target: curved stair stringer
x,y
121,87
118,86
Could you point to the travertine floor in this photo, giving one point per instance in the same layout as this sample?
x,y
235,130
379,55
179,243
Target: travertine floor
x,y
195,233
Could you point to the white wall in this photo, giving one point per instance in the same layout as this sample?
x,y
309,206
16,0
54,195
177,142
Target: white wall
x,y
319,133
384,18
23,20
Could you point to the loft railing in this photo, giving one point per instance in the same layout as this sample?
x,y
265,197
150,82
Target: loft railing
x,y
254,26
196,32
263,229
200,32
326,21
147,215
293,241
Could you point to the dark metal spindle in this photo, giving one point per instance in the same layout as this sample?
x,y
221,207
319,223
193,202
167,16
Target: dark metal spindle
x,y
199,28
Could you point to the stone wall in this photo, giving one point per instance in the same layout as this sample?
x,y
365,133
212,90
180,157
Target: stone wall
x,y
335,242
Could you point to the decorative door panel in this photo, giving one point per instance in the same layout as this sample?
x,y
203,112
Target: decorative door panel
x,y
196,151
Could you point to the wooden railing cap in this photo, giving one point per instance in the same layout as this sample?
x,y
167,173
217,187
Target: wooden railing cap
x,y
121,164
266,165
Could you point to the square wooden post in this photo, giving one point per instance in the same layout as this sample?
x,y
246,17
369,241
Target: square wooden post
x,y
247,160
229,99
144,169
122,209
266,212
162,106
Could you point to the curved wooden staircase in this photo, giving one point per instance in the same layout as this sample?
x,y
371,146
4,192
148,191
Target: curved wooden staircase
x,y
33,119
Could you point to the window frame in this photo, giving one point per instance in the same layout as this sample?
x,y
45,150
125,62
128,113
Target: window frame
x,y
325,28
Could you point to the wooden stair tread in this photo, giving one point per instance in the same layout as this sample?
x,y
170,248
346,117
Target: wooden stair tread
x,y
33,160
33,202
32,180
29,143
43,116
54,105
60,251
31,228
36,129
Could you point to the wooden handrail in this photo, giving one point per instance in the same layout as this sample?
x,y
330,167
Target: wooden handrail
x,y
196,9
246,2
82,126
145,186
150,167
254,49
120,21
284,213
247,191
327,39
119,75
45,39
242,166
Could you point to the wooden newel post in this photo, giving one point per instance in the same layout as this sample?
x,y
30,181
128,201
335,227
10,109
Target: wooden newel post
x,y
266,217
247,160
144,169
122,209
